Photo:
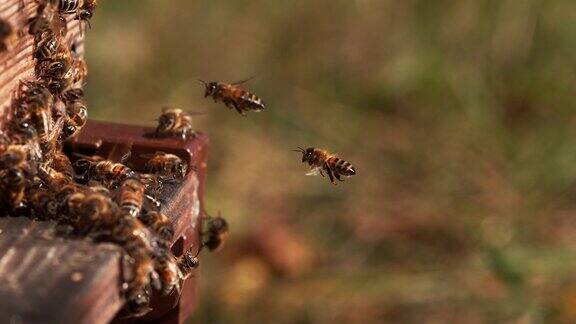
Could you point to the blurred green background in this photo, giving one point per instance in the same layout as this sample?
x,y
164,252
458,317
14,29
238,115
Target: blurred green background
x,y
458,115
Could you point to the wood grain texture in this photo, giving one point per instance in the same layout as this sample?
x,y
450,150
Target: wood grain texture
x,y
17,62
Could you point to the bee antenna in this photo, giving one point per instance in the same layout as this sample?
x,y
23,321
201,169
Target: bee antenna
x,y
203,82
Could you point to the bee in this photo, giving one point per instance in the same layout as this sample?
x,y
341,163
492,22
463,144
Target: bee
x,y
322,160
137,302
13,184
132,196
77,114
44,204
233,96
166,166
87,11
14,156
159,223
216,233
174,121
138,273
168,272
48,47
132,234
73,95
53,179
6,31
188,262
94,211
109,173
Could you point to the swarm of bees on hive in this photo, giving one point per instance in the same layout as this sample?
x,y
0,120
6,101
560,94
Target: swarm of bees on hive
x,y
90,196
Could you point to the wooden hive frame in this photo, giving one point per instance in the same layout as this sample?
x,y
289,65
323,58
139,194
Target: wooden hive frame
x,y
45,278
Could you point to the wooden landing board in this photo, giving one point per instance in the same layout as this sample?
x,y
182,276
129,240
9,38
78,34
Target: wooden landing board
x,y
45,278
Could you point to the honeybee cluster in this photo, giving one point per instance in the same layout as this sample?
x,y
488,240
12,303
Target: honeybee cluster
x,y
89,197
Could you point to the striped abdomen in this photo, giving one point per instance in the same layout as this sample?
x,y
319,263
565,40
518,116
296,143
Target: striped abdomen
x,y
251,101
132,197
337,165
69,6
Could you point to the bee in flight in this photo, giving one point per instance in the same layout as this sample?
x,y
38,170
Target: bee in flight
x,y
216,234
323,161
233,96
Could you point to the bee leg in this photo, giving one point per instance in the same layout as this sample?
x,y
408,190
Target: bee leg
x,y
337,175
321,173
329,174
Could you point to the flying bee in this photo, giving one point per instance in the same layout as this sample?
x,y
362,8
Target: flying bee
x,y
159,223
109,173
174,121
131,196
322,160
87,11
6,32
166,166
216,233
233,96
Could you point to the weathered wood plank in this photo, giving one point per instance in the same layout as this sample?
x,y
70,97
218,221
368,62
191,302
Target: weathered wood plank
x,y
17,63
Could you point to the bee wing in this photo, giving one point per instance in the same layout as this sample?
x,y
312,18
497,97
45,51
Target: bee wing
x,y
314,171
243,81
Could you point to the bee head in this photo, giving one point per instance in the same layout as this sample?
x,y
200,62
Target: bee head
x,y
14,176
306,153
219,225
166,122
210,88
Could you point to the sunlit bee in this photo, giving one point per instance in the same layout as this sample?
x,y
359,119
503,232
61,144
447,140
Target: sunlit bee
x,y
48,47
323,161
6,31
159,223
138,273
131,196
109,173
174,121
233,96
169,273
76,116
166,166
132,234
216,233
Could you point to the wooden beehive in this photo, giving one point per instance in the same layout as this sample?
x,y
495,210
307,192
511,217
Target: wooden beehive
x,y
45,278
